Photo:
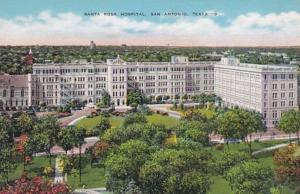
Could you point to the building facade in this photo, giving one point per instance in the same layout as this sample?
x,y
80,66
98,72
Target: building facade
x,y
18,91
268,89
85,81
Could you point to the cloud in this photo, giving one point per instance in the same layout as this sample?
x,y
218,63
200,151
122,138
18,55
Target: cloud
x,y
250,29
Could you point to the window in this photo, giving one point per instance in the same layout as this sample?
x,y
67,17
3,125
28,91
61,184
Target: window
x,y
274,76
291,86
274,86
12,93
4,93
22,92
274,95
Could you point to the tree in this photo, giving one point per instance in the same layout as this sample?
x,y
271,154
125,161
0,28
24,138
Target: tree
x,y
239,123
193,130
6,125
250,177
194,115
176,171
135,118
229,125
134,97
106,99
46,133
7,157
124,165
25,123
290,122
287,161
103,124
25,149
66,138
229,159
252,122
79,139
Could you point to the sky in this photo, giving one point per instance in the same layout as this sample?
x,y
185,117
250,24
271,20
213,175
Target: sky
x,y
228,23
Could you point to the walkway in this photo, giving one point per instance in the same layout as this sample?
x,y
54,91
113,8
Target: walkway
x,y
92,191
58,173
275,147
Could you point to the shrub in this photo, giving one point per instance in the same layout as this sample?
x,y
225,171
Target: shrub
x,y
219,146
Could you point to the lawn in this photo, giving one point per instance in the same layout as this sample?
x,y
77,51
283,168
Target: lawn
x,y
116,121
220,185
34,168
92,177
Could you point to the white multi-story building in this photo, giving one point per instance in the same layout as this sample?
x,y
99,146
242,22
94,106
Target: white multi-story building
x,y
268,89
86,81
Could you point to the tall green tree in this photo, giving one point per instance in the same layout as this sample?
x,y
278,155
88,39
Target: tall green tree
x,y
176,171
134,97
124,165
252,122
106,99
46,133
7,156
240,123
290,122
5,124
80,133
101,127
66,138
229,125
25,123
251,178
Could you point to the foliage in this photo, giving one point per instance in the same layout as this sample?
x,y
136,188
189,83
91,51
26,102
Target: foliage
x,y
250,177
45,134
134,97
290,122
7,156
102,126
105,100
150,133
25,123
124,165
134,118
240,124
66,138
194,114
35,185
144,109
288,164
193,130
176,171
229,159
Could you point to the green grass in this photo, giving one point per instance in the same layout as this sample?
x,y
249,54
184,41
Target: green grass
x,y
35,168
90,123
92,177
220,185
164,120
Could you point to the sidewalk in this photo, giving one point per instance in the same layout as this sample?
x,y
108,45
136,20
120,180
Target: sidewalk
x,y
58,173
